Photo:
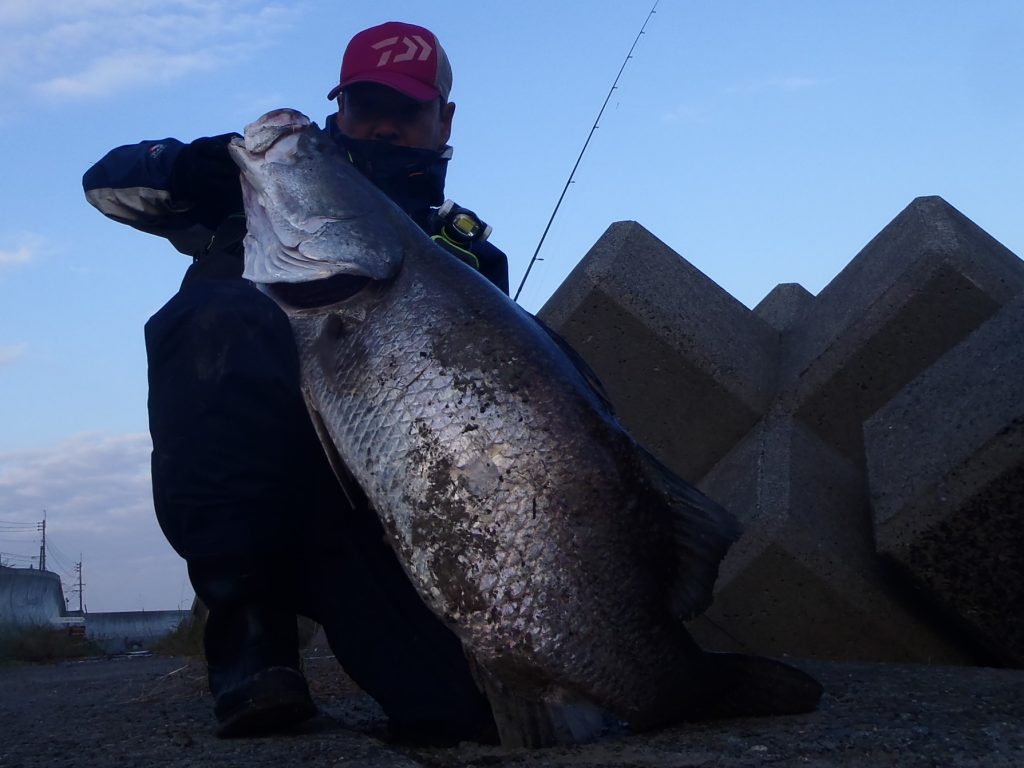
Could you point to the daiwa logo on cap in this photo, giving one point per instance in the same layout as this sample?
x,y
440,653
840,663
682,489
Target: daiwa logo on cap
x,y
415,46
404,57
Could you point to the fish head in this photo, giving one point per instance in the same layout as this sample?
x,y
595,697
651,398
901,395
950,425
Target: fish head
x,y
310,214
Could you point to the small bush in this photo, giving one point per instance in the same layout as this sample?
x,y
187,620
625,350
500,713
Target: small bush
x,y
186,640
43,644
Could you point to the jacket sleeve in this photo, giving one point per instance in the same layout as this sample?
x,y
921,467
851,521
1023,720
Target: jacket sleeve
x,y
131,185
493,263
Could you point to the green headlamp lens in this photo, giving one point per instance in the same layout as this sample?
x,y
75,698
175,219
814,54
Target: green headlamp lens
x,y
467,225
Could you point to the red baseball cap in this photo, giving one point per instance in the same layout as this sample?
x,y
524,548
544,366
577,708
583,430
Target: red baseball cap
x,y
401,56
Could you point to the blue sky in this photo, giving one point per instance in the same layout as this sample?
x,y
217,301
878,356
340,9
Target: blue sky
x,y
765,142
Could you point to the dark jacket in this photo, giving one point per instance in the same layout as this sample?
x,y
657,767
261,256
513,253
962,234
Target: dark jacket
x,y
132,185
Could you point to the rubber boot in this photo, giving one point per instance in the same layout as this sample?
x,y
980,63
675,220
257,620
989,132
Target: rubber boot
x,y
251,645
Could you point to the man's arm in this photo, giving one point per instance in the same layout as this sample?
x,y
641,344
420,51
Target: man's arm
x,y
493,264
178,191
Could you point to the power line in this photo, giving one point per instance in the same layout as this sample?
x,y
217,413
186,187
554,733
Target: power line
x,y
70,576
59,557
78,588
17,556
15,530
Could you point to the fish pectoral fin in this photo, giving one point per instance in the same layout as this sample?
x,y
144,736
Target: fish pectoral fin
x,y
546,719
352,490
703,532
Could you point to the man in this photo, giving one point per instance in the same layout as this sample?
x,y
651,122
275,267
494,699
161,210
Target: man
x,y
241,487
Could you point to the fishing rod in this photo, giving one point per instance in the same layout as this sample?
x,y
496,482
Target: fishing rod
x,y
593,128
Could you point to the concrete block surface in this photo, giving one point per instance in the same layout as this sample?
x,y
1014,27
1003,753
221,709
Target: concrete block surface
x,y
766,411
804,579
689,368
924,283
945,462
784,306
30,597
122,631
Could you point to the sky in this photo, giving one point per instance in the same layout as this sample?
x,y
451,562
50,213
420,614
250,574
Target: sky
x,y
765,141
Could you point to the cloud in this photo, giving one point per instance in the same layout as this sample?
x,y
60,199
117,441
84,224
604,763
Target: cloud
x,y
74,474
11,352
111,74
94,49
15,11
686,114
95,489
793,83
28,247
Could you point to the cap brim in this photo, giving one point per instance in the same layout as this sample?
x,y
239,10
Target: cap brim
x,y
404,84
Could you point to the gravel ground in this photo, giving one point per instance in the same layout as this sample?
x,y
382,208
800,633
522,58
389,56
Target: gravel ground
x,y
154,711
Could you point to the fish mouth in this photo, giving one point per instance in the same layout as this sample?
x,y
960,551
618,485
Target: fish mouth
x,y
318,294
261,135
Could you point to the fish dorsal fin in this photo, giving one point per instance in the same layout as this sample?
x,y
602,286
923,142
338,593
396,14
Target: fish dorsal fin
x,y
581,365
703,532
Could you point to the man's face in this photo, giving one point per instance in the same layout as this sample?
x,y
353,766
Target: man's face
x,y
371,111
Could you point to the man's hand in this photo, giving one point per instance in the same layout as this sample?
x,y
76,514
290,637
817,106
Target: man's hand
x,y
206,178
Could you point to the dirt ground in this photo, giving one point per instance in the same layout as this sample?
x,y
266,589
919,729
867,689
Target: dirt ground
x,y
154,711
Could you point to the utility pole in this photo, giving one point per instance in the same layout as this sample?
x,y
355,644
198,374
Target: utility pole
x,y
42,547
80,593
79,586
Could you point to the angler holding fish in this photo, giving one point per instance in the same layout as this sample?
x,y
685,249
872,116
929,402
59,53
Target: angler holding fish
x,y
492,553
241,486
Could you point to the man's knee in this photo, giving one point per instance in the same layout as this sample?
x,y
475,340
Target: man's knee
x,y
229,426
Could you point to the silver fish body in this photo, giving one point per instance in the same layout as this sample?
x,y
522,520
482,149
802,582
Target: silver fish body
x,y
562,555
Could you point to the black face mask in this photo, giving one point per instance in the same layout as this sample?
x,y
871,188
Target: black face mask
x,y
413,178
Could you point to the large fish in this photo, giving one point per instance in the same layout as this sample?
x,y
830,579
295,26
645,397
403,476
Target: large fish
x,y
562,554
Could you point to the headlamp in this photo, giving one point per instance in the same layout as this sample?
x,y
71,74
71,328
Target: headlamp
x,y
461,225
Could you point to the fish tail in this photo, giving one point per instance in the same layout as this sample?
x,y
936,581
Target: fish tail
x,y
739,685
